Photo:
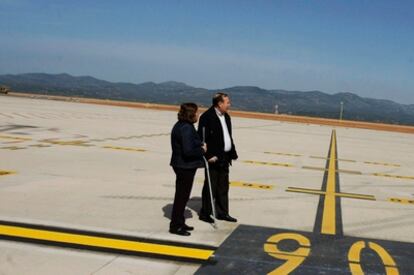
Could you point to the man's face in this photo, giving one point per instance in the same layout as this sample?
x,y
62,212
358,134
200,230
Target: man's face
x,y
224,105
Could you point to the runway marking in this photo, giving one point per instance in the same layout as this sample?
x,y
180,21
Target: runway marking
x,y
401,200
325,158
365,162
339,170
5,173
251,185
382,163
14,138
103,242
268,163
124,148
40,145
83,143
340,194
283,154
12,148
392,176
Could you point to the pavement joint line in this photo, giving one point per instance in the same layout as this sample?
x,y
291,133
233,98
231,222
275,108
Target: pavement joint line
x,y
106,242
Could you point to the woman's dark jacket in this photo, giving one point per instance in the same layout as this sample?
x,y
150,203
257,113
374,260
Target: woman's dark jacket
x,y
186,147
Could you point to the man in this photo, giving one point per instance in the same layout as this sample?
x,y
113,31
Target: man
x,y
215,128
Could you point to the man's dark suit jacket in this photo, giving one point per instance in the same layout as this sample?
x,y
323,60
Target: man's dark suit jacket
x,y
214,136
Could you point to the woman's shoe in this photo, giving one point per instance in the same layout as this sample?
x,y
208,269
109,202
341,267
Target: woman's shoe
x,y
188,228
180,231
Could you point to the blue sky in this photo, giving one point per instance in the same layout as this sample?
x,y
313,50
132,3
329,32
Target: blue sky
x,y
364,47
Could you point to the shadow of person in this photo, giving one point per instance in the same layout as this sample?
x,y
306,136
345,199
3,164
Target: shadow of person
x,y
167,209
194,204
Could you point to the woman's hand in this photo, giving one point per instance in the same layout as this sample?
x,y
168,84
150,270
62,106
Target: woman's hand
x,y
204,147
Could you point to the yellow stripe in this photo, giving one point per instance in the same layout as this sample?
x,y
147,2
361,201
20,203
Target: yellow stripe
x,y
124,148
329,208
251,185
401,200
133,246
319,192
392,176
4,173
268,163
14,138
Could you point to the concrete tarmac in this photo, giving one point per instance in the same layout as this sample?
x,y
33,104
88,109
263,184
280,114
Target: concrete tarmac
x,y
91,170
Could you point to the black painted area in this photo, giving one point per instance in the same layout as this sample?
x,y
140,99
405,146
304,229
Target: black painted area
x,y
243,253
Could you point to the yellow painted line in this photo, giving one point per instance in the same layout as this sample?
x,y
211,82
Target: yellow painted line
x,y
325,158
124,148
68,142
339,170
14,138
104,242
283,154
13,148
401,200
5,173
268,163
40,145
319,192
382,163
392,176
251,185
329,211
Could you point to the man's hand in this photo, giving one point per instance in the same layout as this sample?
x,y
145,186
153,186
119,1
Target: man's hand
x,y
204,147
213,159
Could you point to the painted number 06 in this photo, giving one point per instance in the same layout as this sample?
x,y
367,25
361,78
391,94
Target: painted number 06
x,y
295,258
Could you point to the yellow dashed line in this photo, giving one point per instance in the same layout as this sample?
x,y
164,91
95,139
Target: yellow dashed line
x,y
13,148
392,176
382,163
124,148
251,185
401,200
68,142
5,173
14,138
268,163
284,154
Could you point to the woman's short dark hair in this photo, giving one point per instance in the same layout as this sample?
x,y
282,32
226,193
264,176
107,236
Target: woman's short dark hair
x,y
188,112
219,97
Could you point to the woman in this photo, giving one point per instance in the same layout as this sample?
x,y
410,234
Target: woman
x,y
187,156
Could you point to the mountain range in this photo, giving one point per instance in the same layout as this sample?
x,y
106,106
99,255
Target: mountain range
x,y
248,98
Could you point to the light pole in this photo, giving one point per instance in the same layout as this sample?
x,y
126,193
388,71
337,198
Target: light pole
x,y
342,111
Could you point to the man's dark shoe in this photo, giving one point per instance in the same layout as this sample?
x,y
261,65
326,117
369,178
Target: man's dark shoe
x,y
180,231
188,228
206,219
227,218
